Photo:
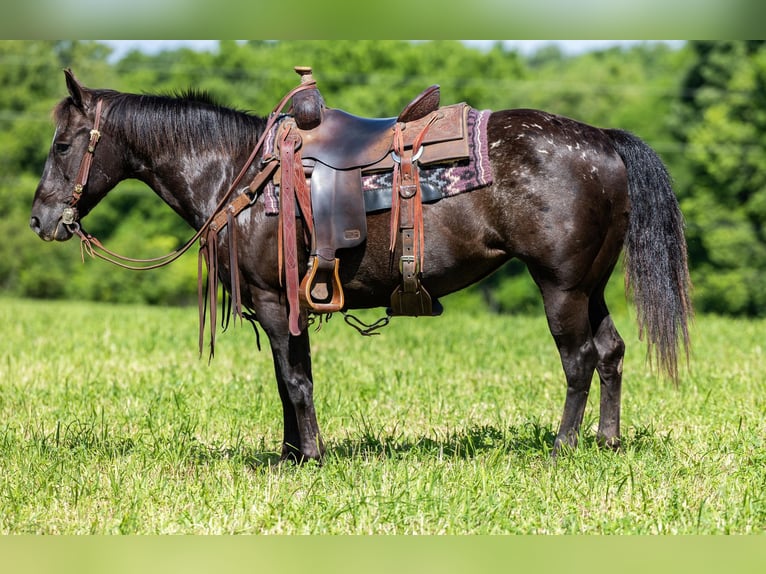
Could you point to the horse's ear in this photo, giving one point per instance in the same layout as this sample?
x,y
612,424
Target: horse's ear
x,y
80,95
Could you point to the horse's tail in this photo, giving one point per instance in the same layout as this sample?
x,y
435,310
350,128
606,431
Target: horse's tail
x,y
655,253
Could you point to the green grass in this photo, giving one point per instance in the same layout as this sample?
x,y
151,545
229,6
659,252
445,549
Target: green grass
x,y
111,423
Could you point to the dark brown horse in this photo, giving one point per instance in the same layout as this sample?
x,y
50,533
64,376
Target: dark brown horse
x,y
565,199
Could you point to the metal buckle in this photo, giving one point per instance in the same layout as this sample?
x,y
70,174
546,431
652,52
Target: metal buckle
x,y
407,259
397,159
95,135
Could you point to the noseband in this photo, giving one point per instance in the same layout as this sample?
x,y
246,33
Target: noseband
x,y
69,216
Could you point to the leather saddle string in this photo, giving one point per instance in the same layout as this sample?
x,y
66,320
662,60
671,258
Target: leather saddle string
x,y
202,258
418,217
419,229
236,299
289,158
209,254
396,184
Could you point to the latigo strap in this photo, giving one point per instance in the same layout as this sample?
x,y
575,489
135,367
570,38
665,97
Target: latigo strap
x,y
410,297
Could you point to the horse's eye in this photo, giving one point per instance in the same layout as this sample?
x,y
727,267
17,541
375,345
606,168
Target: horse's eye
x,y
61,148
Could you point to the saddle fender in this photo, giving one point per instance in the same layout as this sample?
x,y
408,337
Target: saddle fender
x,y
337,201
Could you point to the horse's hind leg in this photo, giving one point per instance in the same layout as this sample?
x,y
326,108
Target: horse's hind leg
x,y
568,320
611,350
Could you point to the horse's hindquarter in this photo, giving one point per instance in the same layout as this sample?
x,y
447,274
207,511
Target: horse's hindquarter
x,y
563,187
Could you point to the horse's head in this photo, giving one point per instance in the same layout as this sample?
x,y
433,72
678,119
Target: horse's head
x,y
81,166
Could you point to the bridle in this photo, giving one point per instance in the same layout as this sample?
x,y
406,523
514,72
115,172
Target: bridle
x,y
69,216
93,247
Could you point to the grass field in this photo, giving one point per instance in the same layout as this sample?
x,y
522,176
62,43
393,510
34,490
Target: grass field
x,y
111,423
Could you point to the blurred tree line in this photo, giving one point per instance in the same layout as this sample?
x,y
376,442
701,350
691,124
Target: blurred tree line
x,y
701,106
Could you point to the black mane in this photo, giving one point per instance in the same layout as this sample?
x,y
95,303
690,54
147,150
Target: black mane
x,y
191,118
193,95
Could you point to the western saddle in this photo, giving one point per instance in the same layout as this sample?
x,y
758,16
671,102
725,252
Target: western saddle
x,y
320,156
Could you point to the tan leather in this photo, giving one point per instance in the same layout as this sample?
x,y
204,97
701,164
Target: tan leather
x,y
446,139
410,298
424,103
290,157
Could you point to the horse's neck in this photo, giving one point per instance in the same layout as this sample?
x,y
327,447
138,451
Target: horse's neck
x,y
189,177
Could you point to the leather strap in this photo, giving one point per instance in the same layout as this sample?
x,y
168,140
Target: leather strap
x,y
410,297
87,160
410,227
290,158
209,254
236,297
406,200
245,199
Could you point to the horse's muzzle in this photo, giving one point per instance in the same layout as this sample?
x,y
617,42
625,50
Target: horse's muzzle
x,y
60,231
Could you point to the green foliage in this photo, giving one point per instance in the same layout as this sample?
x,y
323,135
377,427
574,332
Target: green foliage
x,y
702,107
723,124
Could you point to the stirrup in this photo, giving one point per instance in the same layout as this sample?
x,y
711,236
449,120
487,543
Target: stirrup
x,y
323,295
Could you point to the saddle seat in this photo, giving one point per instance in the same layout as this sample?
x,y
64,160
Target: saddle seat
x,y
344,141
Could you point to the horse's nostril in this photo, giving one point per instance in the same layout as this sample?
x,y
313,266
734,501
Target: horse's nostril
x,y
34,223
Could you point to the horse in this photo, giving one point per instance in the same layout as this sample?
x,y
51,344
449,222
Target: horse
x,y
566,199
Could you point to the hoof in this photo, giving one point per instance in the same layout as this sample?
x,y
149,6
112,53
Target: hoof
x,y
295,456
609,442
564,443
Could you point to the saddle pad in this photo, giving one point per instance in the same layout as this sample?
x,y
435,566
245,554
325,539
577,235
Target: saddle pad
x,y
450,179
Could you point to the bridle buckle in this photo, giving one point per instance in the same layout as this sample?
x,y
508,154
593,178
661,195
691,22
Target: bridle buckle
x,y
69,215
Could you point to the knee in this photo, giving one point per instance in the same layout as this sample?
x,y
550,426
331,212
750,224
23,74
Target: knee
x,y
301,391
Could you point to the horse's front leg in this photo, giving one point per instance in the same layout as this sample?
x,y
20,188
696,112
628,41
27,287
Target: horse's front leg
x,y
292,364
